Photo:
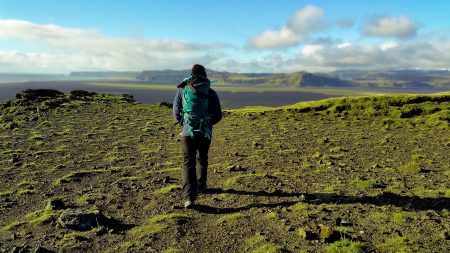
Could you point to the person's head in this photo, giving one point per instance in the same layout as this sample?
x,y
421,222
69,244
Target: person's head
x,y
198,70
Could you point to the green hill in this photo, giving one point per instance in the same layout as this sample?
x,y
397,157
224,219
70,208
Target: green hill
x,y
363,174
295,79
407,78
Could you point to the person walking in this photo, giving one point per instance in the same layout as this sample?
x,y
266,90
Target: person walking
x,y
196,108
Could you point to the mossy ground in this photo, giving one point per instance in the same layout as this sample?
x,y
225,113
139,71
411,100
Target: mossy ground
x,y
372,173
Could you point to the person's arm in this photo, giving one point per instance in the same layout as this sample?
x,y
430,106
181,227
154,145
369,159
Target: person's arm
x,y
215,109
177,108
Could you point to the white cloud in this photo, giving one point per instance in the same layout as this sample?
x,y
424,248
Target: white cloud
x,y
401,27
344,45
272,39
81,49
306,20
311,50
388,45
72,49
296,30
384,56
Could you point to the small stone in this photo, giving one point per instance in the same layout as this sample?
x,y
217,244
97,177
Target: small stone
x,y
55,204
15,159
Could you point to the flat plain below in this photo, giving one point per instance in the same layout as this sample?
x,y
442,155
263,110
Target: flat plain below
x,y
231,96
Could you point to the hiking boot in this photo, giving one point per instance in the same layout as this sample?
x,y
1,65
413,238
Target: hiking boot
x,y
189,204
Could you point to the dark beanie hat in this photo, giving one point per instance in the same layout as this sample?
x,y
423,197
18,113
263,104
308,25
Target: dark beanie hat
x,y
198,70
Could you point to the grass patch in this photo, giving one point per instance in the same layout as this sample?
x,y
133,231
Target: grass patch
x,y
12,225
156,224
399,218
344,246
254,240
42,216
300,206
363,184
25,183
6,193
73,240
90,198
229,217
76,175
172,250
167,189
237,179
268,248
394,244
25,192
170,170
271,215
412,167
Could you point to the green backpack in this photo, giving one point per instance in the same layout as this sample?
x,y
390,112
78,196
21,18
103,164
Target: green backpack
x,y
195,108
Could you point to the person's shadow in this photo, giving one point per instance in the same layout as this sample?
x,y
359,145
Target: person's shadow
x,y
384,199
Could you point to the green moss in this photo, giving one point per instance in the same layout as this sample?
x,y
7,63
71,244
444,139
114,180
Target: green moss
x,y
378,216
268,248
42,216
130,178
90,198
447,193
172,250
156,224
237,179
331,188
229,217
300,206
254,240
394,244
344,246
35,136
72,241
271,215
6,193
74,175
25,183
399,217
363,184
12,225
167,189
440,119
25,192
12,152
169,170
412,167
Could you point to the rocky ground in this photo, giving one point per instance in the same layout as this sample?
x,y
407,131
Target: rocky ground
x,y
96,173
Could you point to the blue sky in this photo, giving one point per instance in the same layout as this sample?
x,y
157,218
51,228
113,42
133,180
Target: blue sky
x,y
242,36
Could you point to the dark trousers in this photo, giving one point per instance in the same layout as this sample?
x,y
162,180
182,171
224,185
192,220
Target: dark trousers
x,y
194,178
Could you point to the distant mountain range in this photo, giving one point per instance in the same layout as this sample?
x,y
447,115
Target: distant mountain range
x,y
411,78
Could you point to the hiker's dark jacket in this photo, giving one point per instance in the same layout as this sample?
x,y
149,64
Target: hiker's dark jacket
x,y
214,107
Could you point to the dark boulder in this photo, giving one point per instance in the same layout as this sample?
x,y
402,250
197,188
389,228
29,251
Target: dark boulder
x,y
82,219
